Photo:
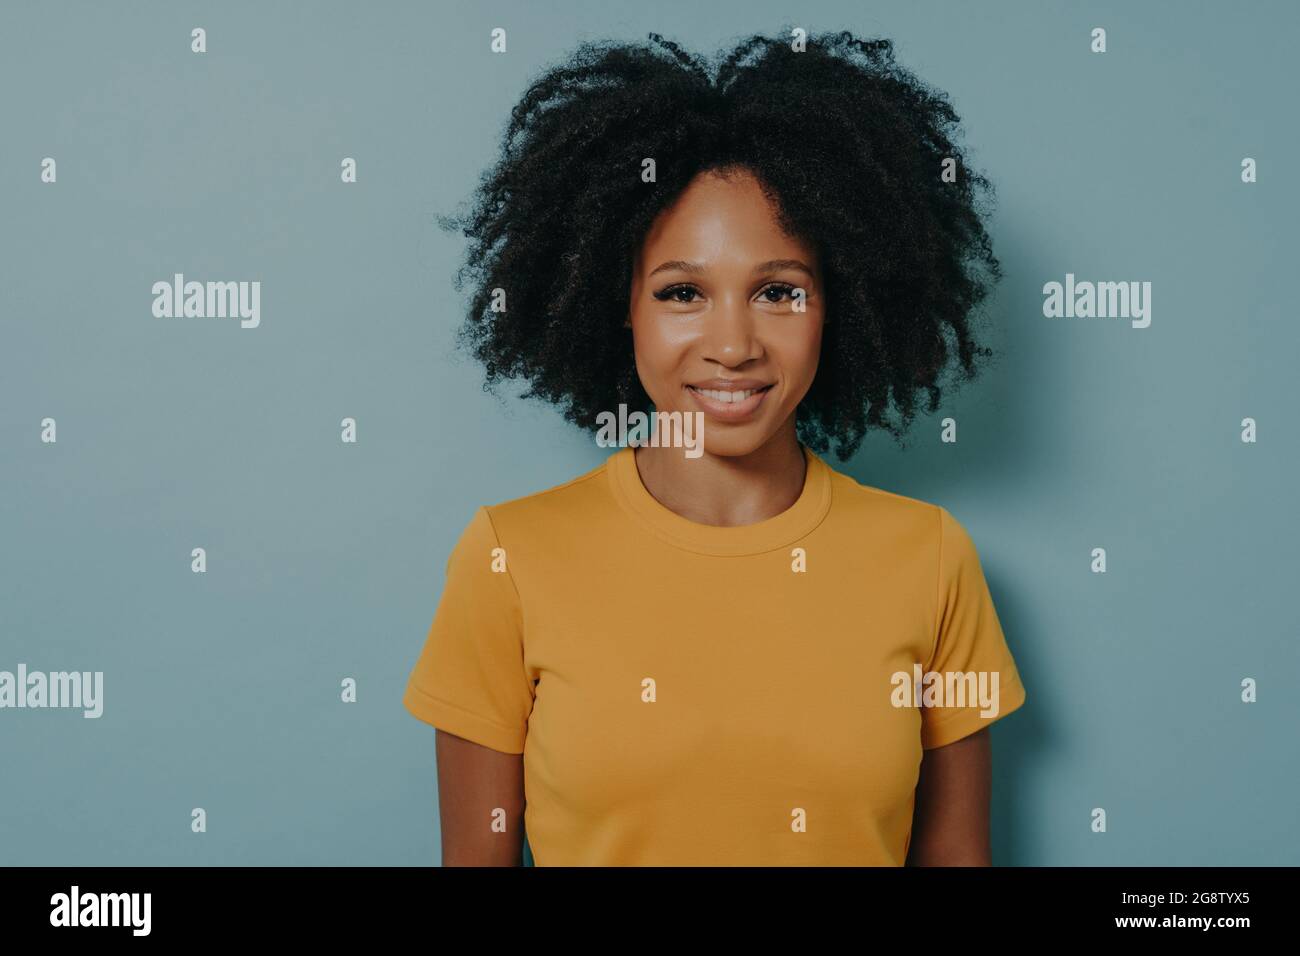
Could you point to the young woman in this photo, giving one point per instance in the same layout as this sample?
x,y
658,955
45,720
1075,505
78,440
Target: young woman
x,y
716,657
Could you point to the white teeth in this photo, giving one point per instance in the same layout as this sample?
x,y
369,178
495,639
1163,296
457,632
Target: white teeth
x,y
722,396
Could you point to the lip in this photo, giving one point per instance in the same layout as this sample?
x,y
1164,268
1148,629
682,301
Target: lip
x,y
729,411
729,384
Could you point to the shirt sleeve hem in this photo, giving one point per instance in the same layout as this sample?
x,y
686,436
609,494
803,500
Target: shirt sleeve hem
x,y
462,723
939,731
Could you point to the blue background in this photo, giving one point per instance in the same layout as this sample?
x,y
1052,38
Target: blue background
x,y
325,560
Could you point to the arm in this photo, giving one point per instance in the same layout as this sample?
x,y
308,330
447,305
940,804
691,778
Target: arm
x,y
950,824
473,781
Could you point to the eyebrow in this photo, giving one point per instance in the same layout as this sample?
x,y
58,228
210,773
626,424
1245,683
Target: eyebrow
x,y
695,268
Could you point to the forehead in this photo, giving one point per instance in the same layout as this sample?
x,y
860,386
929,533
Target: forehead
x,y
720,218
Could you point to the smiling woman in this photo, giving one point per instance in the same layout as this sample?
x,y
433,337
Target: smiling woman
x,y
787,282
716,330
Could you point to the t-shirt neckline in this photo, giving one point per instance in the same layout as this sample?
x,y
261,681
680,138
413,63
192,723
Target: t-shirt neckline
x,y
778,531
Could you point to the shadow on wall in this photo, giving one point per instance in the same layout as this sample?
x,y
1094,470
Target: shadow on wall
x,y
1021,737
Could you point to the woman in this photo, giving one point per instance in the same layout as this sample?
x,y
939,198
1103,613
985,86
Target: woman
x,y
715,657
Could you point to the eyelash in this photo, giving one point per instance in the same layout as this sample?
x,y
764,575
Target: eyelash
x,y
665,295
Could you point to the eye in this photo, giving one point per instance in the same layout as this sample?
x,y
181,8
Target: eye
x,y
774,292
675,293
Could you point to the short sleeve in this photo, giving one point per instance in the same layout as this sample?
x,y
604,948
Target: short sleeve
x,y
970,651
471,679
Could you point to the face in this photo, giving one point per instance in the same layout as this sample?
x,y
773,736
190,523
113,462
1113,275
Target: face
x,y
713,314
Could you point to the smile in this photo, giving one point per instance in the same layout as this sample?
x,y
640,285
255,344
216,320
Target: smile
x,y
729,404
721,396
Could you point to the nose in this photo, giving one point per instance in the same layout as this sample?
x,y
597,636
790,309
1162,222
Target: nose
x,y
730,336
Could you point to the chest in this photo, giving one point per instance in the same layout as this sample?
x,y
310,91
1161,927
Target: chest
x,y
729,682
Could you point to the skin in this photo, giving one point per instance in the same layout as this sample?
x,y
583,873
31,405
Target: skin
x,y
950,823
711,303
474,780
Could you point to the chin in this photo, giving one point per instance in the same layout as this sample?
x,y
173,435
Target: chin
x,y
733,442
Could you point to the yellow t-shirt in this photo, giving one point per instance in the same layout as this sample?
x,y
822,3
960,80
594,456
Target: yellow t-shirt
x,y
685,694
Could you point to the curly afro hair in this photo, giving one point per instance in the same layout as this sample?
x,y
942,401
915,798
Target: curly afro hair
x,y
852,147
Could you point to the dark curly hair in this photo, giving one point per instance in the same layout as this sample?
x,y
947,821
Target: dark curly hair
x,y
849,144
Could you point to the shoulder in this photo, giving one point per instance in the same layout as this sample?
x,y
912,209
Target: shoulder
x,y
927,523
858,501
572,503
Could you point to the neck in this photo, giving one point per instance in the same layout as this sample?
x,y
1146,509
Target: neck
x,y
727,490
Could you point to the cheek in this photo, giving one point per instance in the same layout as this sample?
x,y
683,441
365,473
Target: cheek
x,y
798,349
660,346
652,357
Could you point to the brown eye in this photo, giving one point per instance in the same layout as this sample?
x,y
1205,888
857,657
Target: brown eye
x,y
779,290
675,293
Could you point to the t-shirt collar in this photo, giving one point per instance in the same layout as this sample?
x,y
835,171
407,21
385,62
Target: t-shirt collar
x,y
778,531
